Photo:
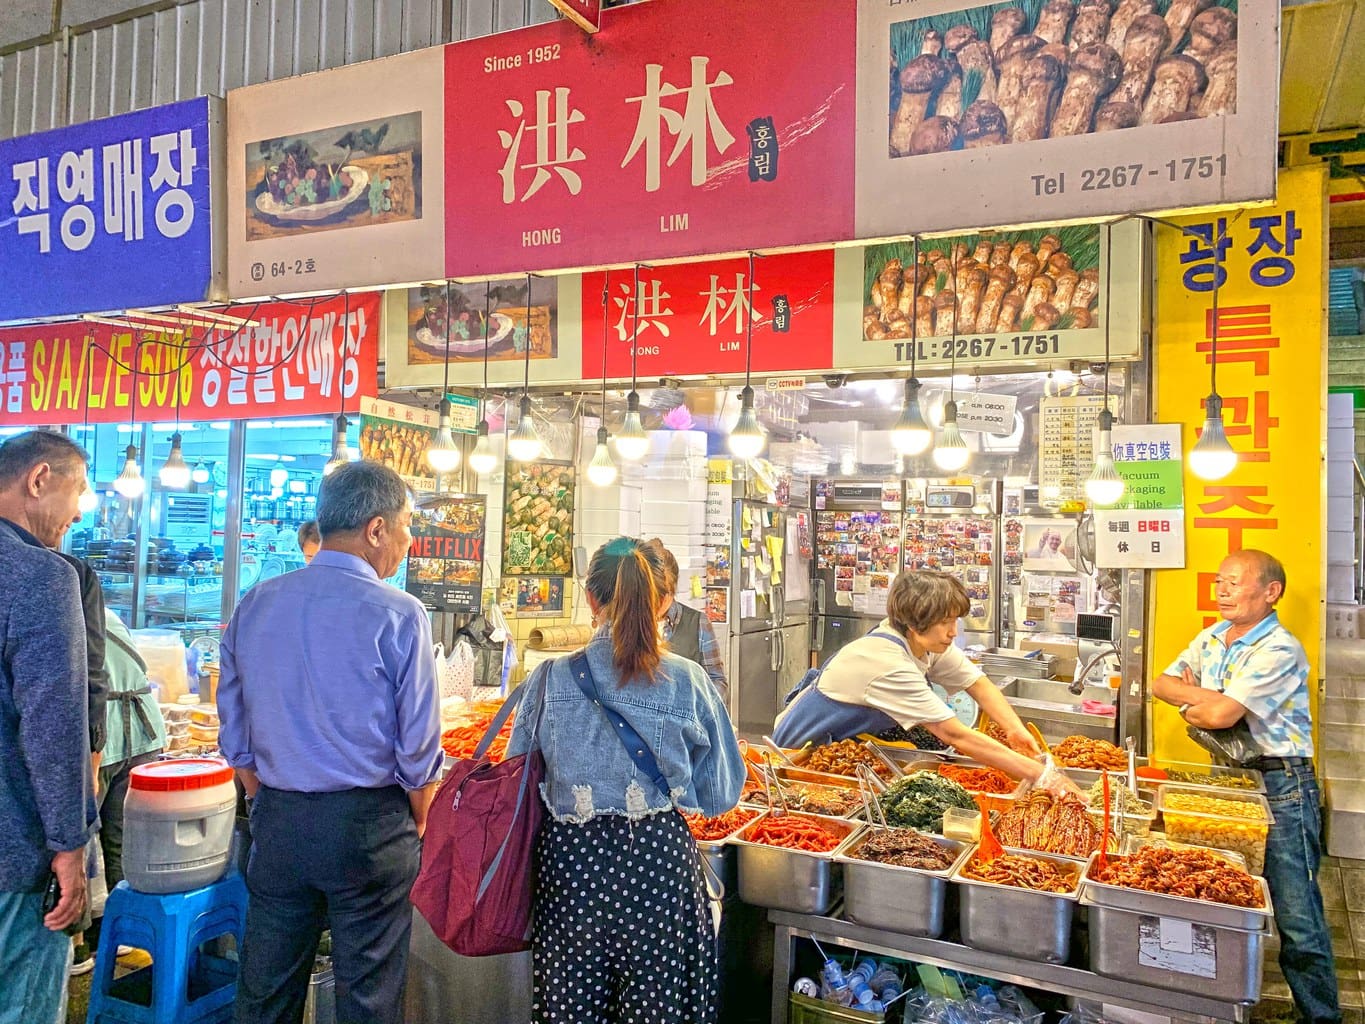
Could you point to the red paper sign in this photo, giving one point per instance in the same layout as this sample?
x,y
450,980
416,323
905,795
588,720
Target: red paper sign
x,y
674,131
297,361
693,317
586,14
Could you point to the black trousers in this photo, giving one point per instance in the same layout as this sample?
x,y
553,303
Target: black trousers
x,y
114,781
344,861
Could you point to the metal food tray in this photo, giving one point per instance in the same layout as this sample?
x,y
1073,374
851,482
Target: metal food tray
x,y
907,901
1154,904
801,776
1017,922
800,881
720,855
1231,971
1211,770
1006,661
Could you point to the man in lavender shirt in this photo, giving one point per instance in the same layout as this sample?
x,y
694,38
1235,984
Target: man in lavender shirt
x,y
330,713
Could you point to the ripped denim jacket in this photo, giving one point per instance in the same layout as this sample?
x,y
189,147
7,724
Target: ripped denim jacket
x,y
587,770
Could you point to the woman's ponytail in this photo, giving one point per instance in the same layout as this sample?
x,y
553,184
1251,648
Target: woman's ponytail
x,y
636,647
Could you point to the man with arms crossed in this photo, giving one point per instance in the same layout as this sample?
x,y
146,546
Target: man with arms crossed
x,y
1250,668
330,712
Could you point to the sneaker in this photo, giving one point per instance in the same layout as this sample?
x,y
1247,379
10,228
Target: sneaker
x,y
123,951
81,961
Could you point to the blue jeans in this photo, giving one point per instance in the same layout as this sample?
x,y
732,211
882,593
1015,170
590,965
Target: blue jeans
x,y
34,963
1292,856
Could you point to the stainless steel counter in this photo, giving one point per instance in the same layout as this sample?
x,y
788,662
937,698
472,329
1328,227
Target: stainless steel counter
x,y
829,931
444,986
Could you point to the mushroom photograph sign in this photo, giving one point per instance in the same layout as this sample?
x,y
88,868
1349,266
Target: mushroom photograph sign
x,y
1061,109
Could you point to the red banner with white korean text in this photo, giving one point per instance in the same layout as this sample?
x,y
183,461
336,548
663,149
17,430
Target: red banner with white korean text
x,y
686,129
694,317
297,358
1269,264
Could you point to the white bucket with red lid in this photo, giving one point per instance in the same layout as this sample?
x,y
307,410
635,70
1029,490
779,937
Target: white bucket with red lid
x,y
177,824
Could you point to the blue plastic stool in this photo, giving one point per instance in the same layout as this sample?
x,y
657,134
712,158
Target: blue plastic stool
x,y
183,985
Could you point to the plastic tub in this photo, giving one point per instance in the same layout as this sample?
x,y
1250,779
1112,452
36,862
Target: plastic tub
x,y
178,819
1223,820
164,652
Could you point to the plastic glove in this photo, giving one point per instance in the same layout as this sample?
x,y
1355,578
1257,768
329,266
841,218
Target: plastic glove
x,y
1055,781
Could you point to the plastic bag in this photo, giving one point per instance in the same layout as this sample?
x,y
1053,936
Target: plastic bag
x,y
1230,747
487,643
94,875
456,670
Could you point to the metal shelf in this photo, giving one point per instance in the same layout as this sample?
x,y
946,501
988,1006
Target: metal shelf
x,y
1072,981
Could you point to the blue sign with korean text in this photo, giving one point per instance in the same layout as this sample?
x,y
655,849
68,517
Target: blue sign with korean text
x,y
109,215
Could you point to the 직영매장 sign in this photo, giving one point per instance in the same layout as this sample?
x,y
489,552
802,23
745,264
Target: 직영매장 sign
x,y
1015,113
112,214
679,129
306,357
336,178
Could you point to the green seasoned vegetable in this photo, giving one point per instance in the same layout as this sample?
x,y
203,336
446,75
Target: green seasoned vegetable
x,y
919,800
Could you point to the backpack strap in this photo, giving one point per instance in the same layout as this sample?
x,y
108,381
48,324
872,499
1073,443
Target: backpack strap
x,y
634,743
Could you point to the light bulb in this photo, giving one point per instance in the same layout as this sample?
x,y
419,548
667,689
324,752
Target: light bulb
x,y
911,435
200,473
601,470
279,477
130,482
443,454
88,501
631,440
951,453
175,471
483,460
341,451
1212,457
525,445
1104,486
746,436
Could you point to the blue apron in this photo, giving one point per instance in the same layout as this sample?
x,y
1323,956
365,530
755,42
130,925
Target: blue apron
x,y
811,717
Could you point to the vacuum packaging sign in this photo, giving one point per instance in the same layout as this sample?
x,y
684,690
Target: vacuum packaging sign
x,y
111,214
1014,114
674,131
336,178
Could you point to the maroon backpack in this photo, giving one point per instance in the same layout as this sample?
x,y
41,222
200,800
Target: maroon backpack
x,y
477,880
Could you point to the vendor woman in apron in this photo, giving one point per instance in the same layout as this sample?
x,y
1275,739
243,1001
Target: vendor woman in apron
x,y
881,680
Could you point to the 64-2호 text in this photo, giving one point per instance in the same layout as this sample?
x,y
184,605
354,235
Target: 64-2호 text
x,y
1130,176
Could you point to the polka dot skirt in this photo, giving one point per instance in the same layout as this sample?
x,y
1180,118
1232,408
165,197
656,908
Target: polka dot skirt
x,y
622,927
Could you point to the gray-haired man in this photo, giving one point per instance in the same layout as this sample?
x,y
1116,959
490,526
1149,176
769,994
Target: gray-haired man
x,y
330,714
47,810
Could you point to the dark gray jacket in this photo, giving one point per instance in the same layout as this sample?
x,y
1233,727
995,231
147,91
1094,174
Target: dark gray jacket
x,y
46,801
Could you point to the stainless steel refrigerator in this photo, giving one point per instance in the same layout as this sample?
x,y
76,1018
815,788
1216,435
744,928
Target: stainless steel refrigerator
x,y
770,604
858,533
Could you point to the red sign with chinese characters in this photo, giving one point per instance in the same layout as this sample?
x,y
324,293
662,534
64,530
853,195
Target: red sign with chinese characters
x,y
298,359
674,131
694,317
586,14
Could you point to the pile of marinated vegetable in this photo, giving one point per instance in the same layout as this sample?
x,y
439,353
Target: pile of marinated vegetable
x,y
843,758
793,833
1194,874
919,800
1022,873
813,799
710,829
905,848
1048,825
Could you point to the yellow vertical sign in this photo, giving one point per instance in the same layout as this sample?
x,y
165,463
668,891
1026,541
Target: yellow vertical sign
x,y
1270,263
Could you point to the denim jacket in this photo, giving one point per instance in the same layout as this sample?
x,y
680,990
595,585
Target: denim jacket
x,y
587,769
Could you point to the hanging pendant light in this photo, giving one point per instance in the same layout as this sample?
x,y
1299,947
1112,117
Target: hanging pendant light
x,y
1104,486
525,444
746,436
912,435
483,460
341,451
175,471
1212,457
443,454
602,470
130,482
632,443
200,474
88,501
951,452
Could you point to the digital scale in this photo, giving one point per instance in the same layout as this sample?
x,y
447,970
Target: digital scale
x,y
951,496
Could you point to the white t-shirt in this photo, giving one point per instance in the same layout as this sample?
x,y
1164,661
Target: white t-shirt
x,y
878,673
